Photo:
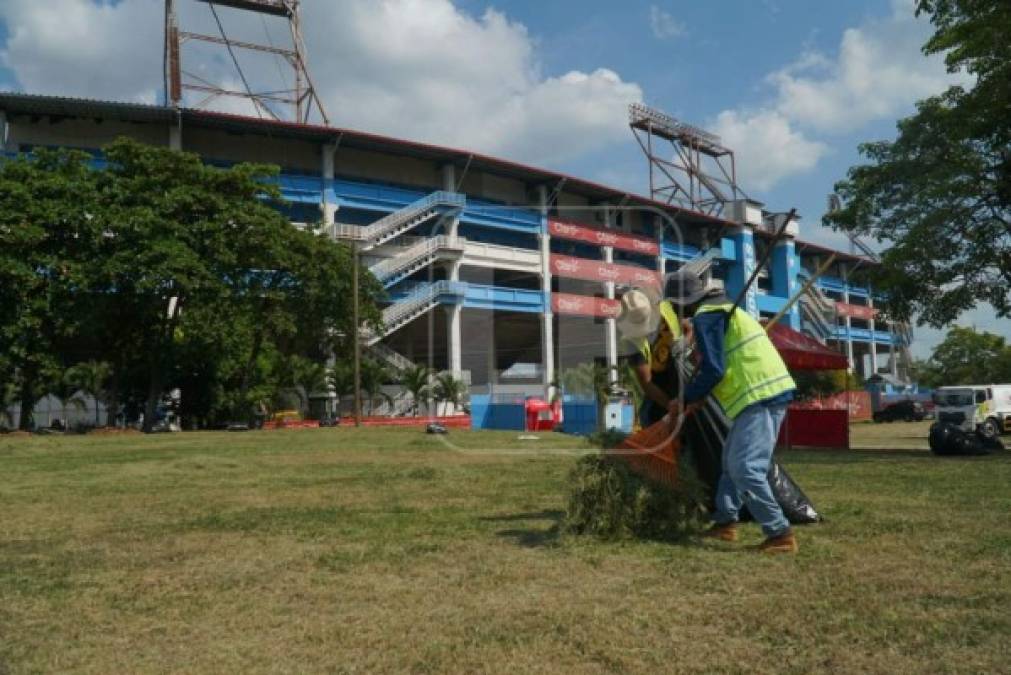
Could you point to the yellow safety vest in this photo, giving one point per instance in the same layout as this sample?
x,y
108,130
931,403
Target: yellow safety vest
x,y
671,317
754,370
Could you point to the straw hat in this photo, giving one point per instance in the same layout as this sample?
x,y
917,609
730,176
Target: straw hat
x,y
640,314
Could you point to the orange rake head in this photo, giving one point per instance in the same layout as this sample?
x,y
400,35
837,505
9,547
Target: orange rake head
x,y
652,453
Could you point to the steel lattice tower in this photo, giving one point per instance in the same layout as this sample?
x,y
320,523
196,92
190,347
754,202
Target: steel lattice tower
x,y
301,98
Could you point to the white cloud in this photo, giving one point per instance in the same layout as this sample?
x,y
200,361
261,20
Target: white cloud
x,y
878,73
78,48
419,69
766,148
663,24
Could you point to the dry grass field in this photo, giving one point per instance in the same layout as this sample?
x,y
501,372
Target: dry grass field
x,y
337,550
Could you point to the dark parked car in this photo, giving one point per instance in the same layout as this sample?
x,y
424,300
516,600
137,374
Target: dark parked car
x,y
906,411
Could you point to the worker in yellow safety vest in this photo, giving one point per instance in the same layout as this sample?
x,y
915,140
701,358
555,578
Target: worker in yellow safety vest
x,y
741,369
651,327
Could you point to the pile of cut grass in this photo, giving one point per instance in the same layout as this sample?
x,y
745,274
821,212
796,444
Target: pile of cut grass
x,y
610,501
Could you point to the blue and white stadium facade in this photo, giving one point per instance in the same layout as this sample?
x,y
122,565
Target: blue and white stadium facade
x,y
501,273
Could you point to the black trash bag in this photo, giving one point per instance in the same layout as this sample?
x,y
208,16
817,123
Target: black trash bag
x,y
941,438
991,444
702,442
948,440
796,506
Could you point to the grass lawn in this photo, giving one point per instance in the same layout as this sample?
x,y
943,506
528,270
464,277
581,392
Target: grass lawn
x,y
386,550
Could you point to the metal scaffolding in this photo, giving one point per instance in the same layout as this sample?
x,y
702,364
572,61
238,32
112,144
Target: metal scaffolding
x,y
688,166
301,96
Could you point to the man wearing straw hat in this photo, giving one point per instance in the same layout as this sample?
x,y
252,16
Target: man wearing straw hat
x,y
741,368
651,325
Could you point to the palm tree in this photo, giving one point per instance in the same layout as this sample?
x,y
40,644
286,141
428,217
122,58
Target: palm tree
x,y
416,381
88,377
309,377
341,378
448,389
374,375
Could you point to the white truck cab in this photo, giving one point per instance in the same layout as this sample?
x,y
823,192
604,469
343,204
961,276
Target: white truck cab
x,y
985,407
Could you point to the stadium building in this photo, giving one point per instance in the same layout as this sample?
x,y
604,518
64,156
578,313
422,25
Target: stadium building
x,y
501,273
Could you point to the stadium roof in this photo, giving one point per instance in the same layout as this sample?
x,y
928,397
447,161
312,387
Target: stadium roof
x,y
59,106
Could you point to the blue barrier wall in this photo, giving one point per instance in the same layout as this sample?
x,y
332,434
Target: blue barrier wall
x,y
493,412
579,415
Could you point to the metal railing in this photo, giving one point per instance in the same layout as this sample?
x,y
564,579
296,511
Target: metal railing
x,y
420,299
419,250
391,356
401,217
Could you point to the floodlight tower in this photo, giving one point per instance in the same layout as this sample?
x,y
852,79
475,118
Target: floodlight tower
x,y
302,97
695,171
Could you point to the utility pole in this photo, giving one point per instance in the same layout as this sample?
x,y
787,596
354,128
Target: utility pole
x,y
357,339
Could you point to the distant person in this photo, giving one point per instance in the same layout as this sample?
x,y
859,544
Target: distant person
x,y
741,368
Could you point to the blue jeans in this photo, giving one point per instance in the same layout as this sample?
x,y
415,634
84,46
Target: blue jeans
x,y
747,454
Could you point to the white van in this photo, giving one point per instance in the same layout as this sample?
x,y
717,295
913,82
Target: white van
x,y
985,407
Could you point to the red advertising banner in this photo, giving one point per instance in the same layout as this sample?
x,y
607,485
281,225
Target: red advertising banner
x,y
595,235
855,311
595,270
584,305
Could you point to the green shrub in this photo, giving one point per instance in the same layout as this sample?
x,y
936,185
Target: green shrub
x,y
609,501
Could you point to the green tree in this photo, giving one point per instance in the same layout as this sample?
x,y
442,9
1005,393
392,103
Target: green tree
x,y
342,378
416,381
90,378
448,390
48,234
374,374
8,397
967,356
187,239
941,192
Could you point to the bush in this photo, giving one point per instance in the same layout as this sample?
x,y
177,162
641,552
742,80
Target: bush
x,y
611,502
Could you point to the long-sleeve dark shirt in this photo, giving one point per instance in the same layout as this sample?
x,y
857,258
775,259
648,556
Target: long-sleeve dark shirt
x,y
709,330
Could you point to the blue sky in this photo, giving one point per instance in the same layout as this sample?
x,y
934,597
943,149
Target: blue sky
x,y
792,86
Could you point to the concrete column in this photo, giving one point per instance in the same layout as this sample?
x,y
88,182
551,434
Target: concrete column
x,y
548,317
661,264
783,269
872,324
849,321
738,275
328,202
610,325
175,133
453,337
449,177
490,339
893,359
5,132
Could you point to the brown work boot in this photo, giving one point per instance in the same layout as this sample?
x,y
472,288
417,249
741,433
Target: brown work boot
x,y
781,543
722,532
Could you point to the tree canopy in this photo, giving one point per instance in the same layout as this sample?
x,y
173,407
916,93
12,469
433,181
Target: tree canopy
x,y
175,273
940,193
967,356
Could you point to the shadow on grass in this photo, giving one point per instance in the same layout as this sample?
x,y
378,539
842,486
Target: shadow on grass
x,y
530,537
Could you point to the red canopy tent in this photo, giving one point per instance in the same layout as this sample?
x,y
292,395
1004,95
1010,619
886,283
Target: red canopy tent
x,y
801,352
804,425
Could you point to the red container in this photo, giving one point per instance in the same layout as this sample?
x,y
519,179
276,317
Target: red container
x,y
540,415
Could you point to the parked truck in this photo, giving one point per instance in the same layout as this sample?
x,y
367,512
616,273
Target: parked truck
x,y
985,408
